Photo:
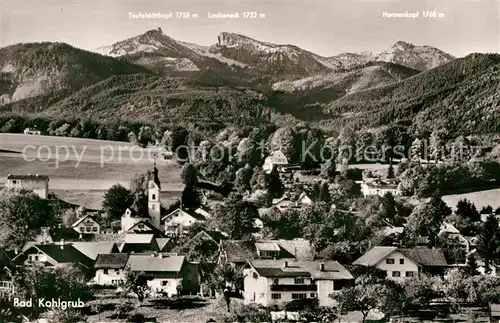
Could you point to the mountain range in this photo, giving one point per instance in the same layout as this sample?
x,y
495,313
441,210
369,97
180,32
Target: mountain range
x,y
154,78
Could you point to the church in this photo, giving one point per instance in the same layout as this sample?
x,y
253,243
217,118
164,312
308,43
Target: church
x,y
153,214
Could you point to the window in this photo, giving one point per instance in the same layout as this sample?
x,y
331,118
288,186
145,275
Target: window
x,y
82,229
313,295
275,296
299,295
401,261
389,261
105,271
14,182
299,281
94,229
410,274
165,283
396,274
153,206
117,271
276,281
153,196
116,281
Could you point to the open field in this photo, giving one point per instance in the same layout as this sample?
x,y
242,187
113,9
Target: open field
x,y
480,198
92,199
184,310
87,164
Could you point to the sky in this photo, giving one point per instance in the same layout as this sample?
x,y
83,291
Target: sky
x,y
326,27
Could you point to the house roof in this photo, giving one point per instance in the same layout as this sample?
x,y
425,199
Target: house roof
x,y
276,268
85,217
29,176
267,246
448,228
162,242
66,253
426,256
137,212
240,250
111,261
147,228
421,255
154,263
195,215
374,256
95,248
133,238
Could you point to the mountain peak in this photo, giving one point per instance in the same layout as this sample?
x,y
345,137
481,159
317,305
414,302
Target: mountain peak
x,y
403,45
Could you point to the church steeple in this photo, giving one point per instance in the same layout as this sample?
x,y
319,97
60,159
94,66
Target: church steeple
x,y
156,179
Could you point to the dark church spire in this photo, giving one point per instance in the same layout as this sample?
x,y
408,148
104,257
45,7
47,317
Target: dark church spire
x,y
156,179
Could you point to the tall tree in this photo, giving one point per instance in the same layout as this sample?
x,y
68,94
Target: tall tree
x,y
116,200
137,283
488,245
236,217
416,149
22,214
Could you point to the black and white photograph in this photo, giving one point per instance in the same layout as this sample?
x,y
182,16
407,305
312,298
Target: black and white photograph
x,y
237,161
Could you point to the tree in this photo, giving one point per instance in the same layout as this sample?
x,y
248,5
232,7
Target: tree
x,y
435,146
243,178
137,283
236,217
328,170
69,217
189,174
145,135
116,200
369,292
225,276
69,284
388,208
190,197
426,218
390,172
324,193
274,184
467,210
22,214
489,240
471,266
178,143
416,149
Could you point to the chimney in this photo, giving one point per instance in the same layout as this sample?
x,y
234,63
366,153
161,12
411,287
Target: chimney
x,y
285,264
322,266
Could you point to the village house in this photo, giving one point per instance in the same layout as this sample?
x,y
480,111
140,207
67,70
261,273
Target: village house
x,y
109,269
274,282
32,131
170,275
401,264
178,221
452,237
276,160
139,243
6,286
39,184
379,187
237,252
60,254
304,199
144,227
87,224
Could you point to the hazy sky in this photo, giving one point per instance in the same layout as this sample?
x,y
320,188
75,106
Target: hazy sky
x,y
324,27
